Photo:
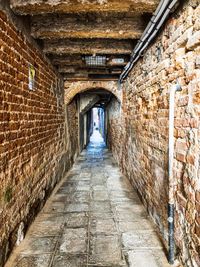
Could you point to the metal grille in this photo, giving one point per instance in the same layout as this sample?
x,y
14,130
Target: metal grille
x,y
95,60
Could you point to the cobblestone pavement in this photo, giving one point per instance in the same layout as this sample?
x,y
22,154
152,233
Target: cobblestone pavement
x,y
93,218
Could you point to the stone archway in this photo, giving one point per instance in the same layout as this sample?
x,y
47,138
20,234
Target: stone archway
x,y
71,89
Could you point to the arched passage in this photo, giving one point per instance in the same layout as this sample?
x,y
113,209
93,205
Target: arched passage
x,y
86,99
72,89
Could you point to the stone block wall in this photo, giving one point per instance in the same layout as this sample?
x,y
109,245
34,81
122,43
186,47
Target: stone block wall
x,y
74,88
73,128
114,126
34,153
143,129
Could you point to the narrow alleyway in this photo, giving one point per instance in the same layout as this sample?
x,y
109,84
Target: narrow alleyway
x,y
93,218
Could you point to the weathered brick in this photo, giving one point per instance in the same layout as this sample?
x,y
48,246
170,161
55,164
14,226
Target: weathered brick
x,y
141,129
29,125
193,41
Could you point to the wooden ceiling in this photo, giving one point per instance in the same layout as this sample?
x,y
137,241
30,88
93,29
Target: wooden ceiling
x,y
87,39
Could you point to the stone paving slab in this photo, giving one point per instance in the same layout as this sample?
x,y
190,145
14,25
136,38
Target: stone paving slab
x,y
100,195
66,260
45,228
76,220
148,259
73,241
54,207
51,218
100,215
100,206
33,261
103,226
142,224
129,216
39,245
141,240
105,250
93,218
76,207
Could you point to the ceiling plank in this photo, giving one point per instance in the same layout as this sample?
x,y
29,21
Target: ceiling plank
x,y
96,70
68,26
89,77
67,60
34,7
87,47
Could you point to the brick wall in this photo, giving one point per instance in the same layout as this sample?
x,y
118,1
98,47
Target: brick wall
x,y
74,88
143,129
34,153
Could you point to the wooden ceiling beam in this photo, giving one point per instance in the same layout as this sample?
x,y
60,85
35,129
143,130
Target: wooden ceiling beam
x,y
96,70
87,47
90,77
33,7
67,60
68,26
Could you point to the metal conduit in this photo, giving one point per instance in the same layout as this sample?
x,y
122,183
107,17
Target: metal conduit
x,y
163,10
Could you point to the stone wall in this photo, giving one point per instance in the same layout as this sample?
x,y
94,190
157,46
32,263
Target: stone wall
x,y
143,129
34,153
114,126
73,128
72,89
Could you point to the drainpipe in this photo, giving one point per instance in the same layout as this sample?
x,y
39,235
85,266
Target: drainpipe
x,y
173,90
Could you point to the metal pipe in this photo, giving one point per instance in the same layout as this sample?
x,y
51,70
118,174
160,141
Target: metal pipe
x,y
161,7
173,90
145,34
159,17
171,254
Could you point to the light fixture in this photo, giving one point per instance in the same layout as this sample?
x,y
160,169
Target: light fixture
x,y
95,60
